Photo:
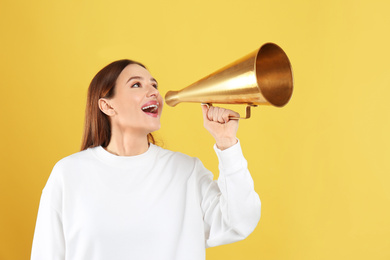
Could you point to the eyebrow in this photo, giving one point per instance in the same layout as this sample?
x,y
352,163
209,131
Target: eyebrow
x,y
138,77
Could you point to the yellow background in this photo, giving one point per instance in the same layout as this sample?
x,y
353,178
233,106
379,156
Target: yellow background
x,y
320,164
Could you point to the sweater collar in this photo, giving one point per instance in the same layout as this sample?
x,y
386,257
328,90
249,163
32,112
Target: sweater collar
x,y
125,161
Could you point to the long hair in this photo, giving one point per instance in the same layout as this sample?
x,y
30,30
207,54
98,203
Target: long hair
x,y
97,128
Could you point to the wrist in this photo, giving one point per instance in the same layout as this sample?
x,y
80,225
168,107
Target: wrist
x,y
225,143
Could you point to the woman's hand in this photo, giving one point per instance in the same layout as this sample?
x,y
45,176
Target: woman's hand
x,y
216,121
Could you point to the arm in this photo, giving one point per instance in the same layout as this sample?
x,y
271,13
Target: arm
x,y
49,242
231,207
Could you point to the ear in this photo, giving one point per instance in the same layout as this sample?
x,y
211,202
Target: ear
x,y
105,107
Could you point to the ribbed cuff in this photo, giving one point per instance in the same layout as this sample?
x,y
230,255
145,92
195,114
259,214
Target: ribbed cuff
x,y
231,159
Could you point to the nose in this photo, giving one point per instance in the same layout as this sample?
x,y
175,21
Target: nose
x,y
152,91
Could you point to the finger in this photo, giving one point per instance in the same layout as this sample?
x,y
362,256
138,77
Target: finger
x,y
205,110
226,116
221,112
215,114
229,114
210,113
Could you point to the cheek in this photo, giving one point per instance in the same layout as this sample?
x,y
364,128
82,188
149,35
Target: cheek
x,y
161,102
128,107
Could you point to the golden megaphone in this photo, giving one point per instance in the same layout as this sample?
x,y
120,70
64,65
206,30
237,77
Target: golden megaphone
x,y
263,77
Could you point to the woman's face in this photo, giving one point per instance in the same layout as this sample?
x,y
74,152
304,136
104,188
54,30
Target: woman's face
x,y
136,101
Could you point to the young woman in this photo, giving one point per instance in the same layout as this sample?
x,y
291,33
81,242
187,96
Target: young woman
x,y
122,197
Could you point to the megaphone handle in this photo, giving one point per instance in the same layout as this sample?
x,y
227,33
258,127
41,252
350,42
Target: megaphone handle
x,y
248,111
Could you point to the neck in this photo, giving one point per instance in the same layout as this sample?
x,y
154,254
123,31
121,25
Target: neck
x,y
127,144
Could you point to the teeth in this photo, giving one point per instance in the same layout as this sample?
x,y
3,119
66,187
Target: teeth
x,y
151,106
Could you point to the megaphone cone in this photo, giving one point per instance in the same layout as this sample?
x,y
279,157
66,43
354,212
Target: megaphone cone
x,y
263,77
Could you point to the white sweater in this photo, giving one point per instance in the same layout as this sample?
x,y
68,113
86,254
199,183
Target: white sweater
x,y
157,205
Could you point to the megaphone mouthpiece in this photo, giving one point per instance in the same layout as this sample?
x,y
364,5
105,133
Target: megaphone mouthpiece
x,y
172,98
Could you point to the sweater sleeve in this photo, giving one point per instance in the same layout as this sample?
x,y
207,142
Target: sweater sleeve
x,y
230,205
49,242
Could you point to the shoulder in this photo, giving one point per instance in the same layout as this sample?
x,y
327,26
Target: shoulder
x,y
177,158
163,153
53,191
81,157
180,164
71,165
74,163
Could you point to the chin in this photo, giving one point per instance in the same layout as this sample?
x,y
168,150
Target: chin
x,y
155,128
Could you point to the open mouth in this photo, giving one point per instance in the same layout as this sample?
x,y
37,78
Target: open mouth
x,y
152,109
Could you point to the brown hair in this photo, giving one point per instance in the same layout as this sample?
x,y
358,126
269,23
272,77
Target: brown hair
x,y
97,129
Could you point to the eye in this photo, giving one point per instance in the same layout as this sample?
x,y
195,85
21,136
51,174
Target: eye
x,y
155,86
136,85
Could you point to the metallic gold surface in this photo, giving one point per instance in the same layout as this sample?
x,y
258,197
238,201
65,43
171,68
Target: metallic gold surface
x,y
263,77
